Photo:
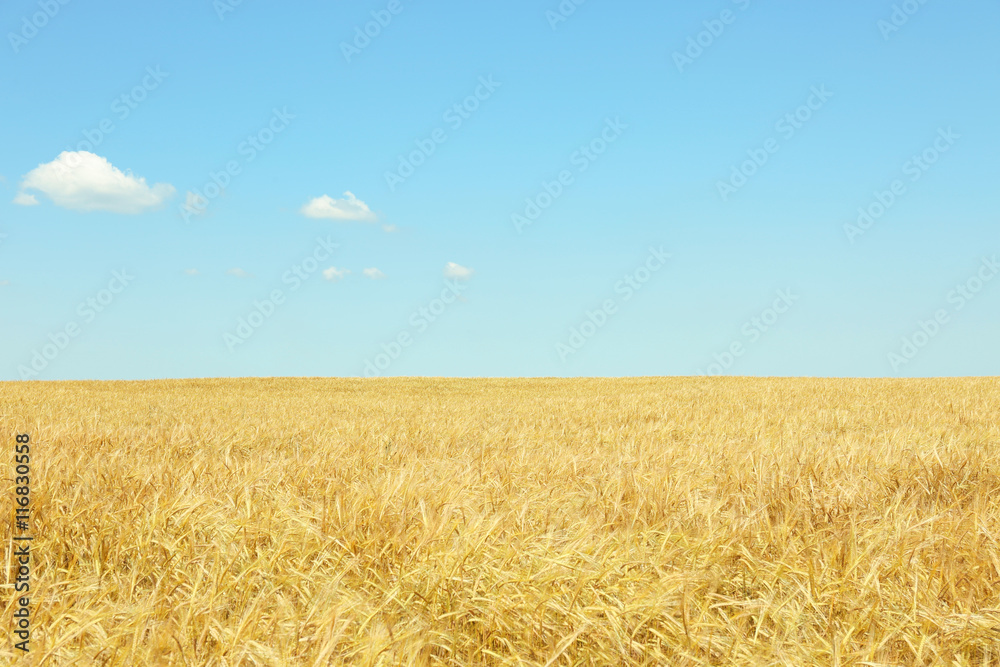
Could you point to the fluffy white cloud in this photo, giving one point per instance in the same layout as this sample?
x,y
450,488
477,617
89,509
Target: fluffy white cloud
x,y
453,270
239,273
83,181
24,199
333,273
373,273
349,208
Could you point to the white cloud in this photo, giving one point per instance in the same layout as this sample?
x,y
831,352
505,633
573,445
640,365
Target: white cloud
x,y
373,273
350,208
24,199
191,272
239,273
82,181
390,228
194,203
453,270
334,274
4,283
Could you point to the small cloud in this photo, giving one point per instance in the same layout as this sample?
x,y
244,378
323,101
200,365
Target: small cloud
x,y
457,271
4,283
194,203
83,181
390,228
334,274
349,208
373,273
24,199
239,273
195,272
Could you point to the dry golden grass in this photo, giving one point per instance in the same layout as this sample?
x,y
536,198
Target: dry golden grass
x,y
500,522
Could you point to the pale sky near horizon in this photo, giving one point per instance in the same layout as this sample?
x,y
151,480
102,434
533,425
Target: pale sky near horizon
x,y
205,189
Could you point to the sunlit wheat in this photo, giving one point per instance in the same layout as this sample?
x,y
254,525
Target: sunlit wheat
x,y
501,522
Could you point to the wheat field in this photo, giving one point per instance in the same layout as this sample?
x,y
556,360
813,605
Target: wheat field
x,y
645,521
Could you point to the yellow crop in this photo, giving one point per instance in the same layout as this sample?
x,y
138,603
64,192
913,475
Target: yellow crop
x,y
647,521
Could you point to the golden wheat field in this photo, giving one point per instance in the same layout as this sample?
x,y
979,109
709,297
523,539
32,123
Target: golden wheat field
x,y
673,521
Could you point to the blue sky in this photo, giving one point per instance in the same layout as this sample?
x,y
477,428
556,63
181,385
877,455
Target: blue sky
x,y
626,124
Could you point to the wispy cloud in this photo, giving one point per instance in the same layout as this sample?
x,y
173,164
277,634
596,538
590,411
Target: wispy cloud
x,y
349,208
373,273
239,273
457,271
334,274
24,199
192,272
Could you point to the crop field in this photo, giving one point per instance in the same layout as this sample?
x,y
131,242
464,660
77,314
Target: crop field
x,y
645,521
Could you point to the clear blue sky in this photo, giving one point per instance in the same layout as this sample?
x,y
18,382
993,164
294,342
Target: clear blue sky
x,y
187,88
